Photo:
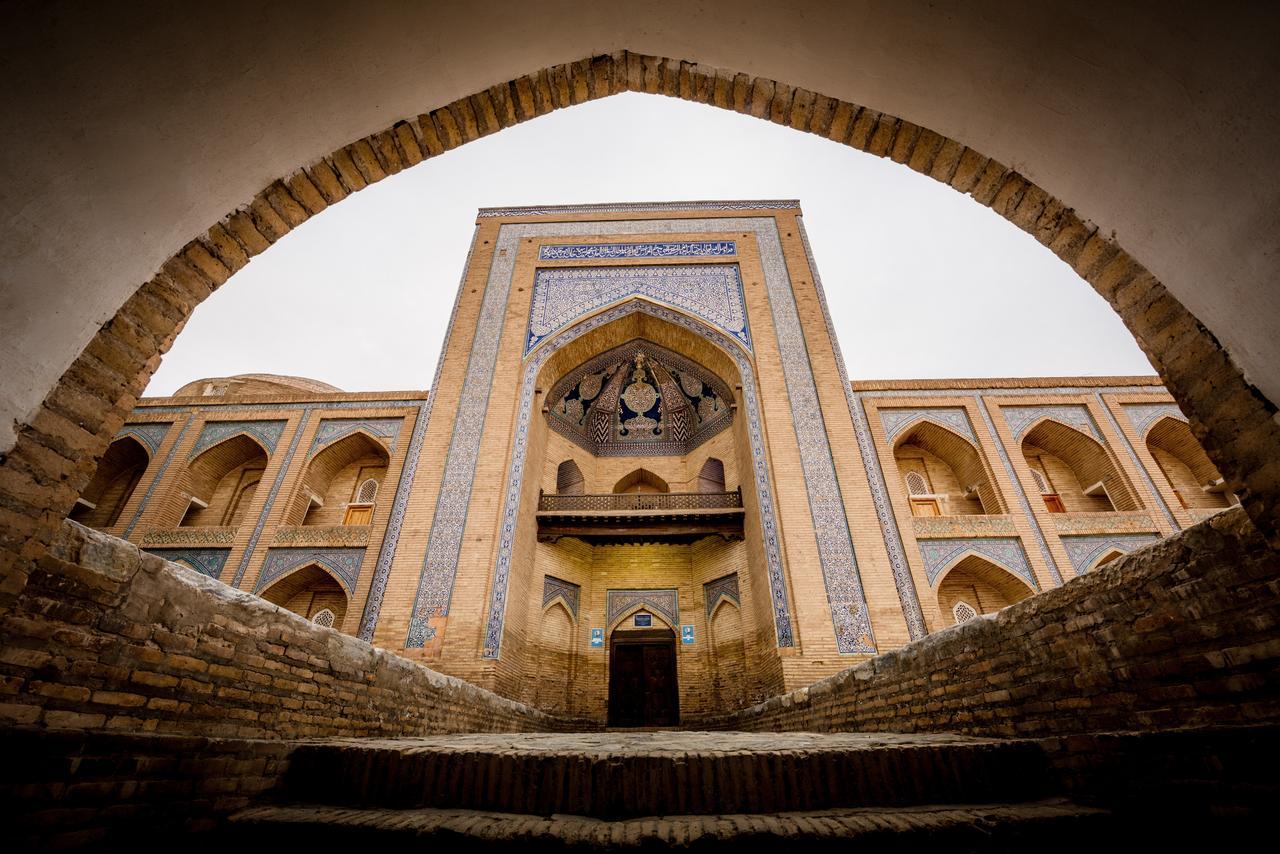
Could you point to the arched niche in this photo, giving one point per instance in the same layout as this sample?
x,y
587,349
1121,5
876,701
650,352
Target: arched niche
x,y
711,475
641,480
118,473
1106,558
222,482
950,470
569,480
978,582
335,489
1076,468
307,591
555,659
1186,468
728,656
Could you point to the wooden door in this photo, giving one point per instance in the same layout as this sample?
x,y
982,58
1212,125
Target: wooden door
x,y
925,507
642,680
1054,503
358,514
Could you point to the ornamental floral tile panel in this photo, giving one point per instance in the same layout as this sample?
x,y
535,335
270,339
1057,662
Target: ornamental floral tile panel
x,y
274,492
1085,551
333,429
712,292
1143,415
567,590
951,417
606,251
721,588
665,603
1020,418
150,435
1006,552
343,563
266,432
615,207
205,561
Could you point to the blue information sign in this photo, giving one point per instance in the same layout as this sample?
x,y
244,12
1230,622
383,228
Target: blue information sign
x,y
597,637
686,634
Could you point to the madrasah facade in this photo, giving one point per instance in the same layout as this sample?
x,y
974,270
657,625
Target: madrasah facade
x,y
642,488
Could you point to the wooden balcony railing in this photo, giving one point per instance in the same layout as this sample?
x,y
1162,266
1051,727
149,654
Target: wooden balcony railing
x,y
633,501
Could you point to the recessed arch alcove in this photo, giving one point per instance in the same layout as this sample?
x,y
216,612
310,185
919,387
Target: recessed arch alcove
x,y
1230,415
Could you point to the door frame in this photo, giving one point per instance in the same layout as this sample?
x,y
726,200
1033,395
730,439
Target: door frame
x,y
657,636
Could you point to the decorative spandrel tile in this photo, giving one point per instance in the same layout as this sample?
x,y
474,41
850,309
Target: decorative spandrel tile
x,y
267,433
609,251
205,561
952,418
1006,552
333,429
1085,551
721,588
150,435
665,603
712,292
568,591
272,495
1020,418
1143,415
343,563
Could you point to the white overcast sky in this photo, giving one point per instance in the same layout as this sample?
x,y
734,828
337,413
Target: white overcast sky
x,y
923,282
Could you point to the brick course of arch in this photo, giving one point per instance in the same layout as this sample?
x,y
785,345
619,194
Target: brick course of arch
x,y
57,449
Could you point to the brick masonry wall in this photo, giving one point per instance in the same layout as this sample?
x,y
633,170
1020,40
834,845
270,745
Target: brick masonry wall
x,y
1179,634
108,637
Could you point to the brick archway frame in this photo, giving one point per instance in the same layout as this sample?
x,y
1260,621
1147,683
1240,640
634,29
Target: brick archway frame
x,y
57,451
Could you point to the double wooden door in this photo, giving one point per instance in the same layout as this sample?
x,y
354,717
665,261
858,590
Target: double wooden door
x,y
642,680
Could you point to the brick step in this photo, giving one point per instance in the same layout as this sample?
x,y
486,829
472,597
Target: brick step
x,y
624,775
1048,825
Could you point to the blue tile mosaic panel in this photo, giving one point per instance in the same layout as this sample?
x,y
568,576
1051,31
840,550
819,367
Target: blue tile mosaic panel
x,y
1084,551
721,588
343,563
1143,415
150,435
267,433
205,561
665,603
952,418
566,590
333,429
712,292
1006,552
1020,418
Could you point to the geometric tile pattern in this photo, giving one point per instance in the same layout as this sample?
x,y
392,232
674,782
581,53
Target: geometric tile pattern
x,y
1143,415
1072,415
150,435
712,292
333,429
598,251
666,603
721,588
1005,552
898,565
764,489
1083,551
205,561
952,418
566,590
271,496
343,563
613,207
839,565
266,432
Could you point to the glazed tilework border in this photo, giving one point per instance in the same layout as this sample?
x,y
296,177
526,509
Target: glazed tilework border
x,y
637,207
1137,464
281,473
390,540
665,602
333,429
607,251
156,480
150,434
899,568
1143,415
1005,552
567,590
1084,550
344,563
764,490
435,587
205,561
951,418
323,406
267,433
1075,415
721,588
562,295
848,603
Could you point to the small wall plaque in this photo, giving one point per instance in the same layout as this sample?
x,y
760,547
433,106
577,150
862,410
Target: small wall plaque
x,y
597,637
644,621
686,634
